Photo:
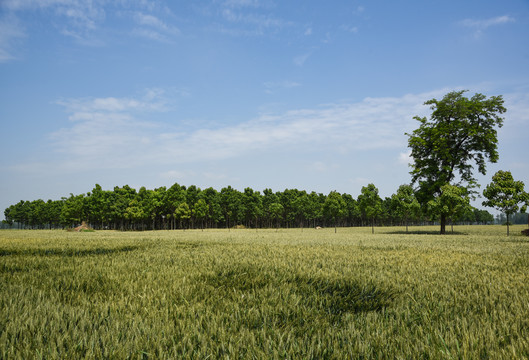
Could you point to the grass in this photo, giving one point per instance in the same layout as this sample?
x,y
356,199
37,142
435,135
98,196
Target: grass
x,y
265,294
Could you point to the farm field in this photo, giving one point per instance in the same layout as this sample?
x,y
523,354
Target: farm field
x,y
248,293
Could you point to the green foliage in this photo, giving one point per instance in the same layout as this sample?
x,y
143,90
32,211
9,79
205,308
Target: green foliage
x,y
182,213
276,211
370,204
506,194
405,203
124,208
334,207
452,202
265,294
483,217
459,133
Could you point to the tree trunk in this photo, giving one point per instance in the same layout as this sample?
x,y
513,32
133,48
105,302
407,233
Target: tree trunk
x,y
507,224
443,224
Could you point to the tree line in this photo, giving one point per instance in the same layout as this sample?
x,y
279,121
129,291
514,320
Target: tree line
x,y
181,207
459,134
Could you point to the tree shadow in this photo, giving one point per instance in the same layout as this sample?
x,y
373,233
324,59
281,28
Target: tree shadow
x,y
66,252
424,232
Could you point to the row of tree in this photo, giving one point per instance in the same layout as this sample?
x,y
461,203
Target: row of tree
x,y
459,134
180,207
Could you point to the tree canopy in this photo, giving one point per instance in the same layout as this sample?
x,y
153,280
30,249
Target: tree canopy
x,y
506,194
405,203
370,204
460,132
181,207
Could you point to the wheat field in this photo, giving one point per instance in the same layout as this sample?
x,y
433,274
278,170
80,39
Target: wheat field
x,y
260,294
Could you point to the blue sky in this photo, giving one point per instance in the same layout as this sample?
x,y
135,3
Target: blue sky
x,y
313,95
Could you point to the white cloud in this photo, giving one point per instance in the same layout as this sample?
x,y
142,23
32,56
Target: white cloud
x,y
242,3
300,60
82,17
153,28
176,175
350,28
247,18
483,24
83,20
153,100
125,132
260,21
405,158
10,32
271,86
479,26
109,131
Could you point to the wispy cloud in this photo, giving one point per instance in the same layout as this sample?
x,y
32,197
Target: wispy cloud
x,y
10,33
253,23
271,86
300,59
84,21
151,101
246,18
405,158
350,28
79,19
479,26
82,17
154,28
242,3
123,132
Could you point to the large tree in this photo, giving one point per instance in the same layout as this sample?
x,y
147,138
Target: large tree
x,y
452,203
506,194
459,133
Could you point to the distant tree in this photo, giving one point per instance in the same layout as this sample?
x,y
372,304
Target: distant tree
x,y
121,200
405,203
174,196
230,203
158,206
211,197
20,213
483,216
452,203
200,211
98,203
134,213
252,206
288,199
460,132
182,213
302,207
315,207
144,202
351,209
9,214
506,194
73,210
519,218
276,212
334,207
370,204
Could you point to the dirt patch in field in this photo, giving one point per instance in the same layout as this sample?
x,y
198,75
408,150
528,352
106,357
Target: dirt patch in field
x,y
83,227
